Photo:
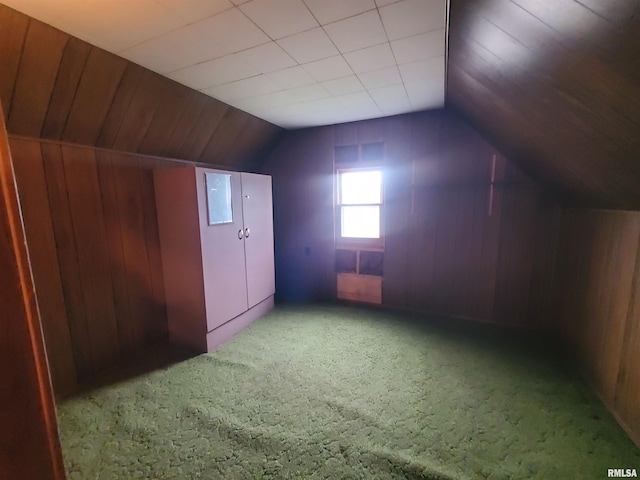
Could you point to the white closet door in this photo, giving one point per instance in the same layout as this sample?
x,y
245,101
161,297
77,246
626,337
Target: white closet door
x,y
222,241
257,207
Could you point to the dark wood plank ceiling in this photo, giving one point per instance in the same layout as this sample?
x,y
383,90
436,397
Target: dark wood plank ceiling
x,y
556,86
57,87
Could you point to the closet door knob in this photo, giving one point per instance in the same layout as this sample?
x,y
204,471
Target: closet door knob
x,y
240,234
246,232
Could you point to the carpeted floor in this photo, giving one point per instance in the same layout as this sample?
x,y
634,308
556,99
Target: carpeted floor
x,y
339,392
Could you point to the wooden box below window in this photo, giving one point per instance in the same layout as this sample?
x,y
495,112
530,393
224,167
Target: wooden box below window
x,y
360,288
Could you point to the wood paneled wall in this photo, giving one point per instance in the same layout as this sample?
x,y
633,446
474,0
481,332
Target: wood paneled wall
x,y
444,254
598,304
91,228
554,85
29,446
57,87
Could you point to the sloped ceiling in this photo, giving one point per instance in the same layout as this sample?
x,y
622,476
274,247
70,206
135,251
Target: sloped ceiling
x,y
556,86
294,63
55,86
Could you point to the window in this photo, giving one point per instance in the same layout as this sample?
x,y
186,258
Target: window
x,y
359,203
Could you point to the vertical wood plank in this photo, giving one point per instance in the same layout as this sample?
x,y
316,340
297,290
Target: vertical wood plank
x,y
29,446
210,118
598,258
149,95
34,201
121,101
39,65
98,84
165,119
187,121
86,208
72,64
156,324
12,37
67,257
125,319
134,247
221,147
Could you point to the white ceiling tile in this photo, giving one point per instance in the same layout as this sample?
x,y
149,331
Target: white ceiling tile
x,y
267,58
426,94
266,101
291,77
419,47
309,92
309,46
356,99
175,50
327,11
135,22
364,30
328,69
323,105
382,3
386,95
215,72
371,58
392,100
410,17
381,78
342,86
395,108
424,69
194,10
232,29
280,18
249,87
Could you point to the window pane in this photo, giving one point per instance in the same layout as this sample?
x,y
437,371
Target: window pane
x,y
361,222
218,198
361,187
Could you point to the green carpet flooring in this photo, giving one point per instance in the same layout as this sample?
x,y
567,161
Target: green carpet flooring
x,y
346,393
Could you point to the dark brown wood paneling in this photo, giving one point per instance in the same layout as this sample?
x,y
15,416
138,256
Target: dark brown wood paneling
x,y
126,90
29,446
72,64
89,230
92,101
34,201
91,220
193,107
164,121
58,87
597,301
40,59
554,86
302,170
444,253
12,36
147,99
211,116
67,256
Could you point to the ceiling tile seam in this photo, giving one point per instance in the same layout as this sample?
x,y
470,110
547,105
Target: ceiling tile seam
x,y
150,39
340,19
404,85
188,24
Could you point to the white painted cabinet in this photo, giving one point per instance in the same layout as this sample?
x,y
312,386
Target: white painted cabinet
x,y
216,240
